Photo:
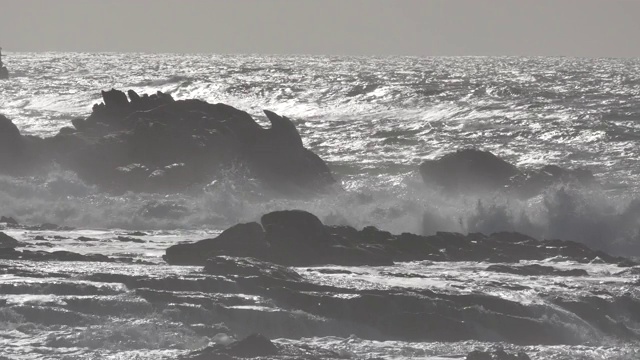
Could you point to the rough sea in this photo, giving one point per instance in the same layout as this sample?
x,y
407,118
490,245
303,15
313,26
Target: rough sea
x,y
373,120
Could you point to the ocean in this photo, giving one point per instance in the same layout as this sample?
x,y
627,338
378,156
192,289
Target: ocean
x,y
374,120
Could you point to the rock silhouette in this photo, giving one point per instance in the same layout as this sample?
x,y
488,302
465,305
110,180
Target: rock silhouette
x,y
473,171
155,143
298,238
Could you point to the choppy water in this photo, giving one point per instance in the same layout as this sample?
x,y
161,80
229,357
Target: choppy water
x,y
373,120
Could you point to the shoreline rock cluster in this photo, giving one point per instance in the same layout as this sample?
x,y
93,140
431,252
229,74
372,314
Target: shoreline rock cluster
x,y
253,280
265,259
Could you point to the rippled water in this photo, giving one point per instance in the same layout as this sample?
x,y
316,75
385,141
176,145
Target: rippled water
x,y
371,113
373,120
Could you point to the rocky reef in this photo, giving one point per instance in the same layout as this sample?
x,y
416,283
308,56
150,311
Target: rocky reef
x,y
156,143
299,238
472,170
254,258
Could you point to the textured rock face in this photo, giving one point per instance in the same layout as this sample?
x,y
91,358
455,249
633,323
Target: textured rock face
x,y
298,238
155,143
471,170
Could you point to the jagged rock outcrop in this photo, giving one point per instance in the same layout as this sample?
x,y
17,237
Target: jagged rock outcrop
x,y
298,238
157,143
474,171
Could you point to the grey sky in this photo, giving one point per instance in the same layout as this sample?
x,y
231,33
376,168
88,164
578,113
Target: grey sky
x,y
593,28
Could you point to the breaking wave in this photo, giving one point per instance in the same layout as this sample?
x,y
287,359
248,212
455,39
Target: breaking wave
x,y
397,204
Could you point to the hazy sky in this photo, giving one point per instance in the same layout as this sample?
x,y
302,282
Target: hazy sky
x,y
593,28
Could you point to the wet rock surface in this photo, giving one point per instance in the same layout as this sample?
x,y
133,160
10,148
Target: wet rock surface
x,y
476,171
298,238
212,311
251,256
161,144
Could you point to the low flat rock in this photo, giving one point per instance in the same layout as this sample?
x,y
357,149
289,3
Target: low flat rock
x,y
298,238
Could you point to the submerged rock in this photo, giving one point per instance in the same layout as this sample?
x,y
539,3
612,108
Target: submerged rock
x,y
298,238
473,171
156,143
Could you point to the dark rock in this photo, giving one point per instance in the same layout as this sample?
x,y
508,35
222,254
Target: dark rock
x,y
298,238
67,131
254,345
45,227
479,355
499,354
468,170
13,148
7,242
246,240
154,143
9,221
293,228
39,237
536,270
86,239
289,237
130,239
472,170
115,100
13,254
